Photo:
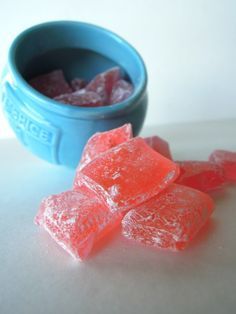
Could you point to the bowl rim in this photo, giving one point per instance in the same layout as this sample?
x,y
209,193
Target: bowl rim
x,y
71,111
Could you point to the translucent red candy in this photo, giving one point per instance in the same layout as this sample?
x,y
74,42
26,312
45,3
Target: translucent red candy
x,y
77,84
120,91
104,89
51,84
103,83
126,175
120,175
159,145
75,221
103,141
170,220
201,175
81,98
226,160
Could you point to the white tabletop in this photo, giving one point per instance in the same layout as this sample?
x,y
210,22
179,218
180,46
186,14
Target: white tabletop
x,y
37,276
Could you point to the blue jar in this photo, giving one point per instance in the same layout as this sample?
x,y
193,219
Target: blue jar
x,y
56,132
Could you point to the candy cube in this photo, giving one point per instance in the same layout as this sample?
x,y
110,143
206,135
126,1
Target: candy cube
x,y
120,91
103,141
103,83
159,145
75,221
169,220
201,175
226,160
51,84
127,175
81,98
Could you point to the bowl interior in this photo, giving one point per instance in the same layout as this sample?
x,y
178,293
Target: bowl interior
x,y
74,62
79,49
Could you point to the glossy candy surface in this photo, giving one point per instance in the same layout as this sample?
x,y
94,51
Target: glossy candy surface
x,y
75,221
51,84
226,160
81,98
169,220
103,141
103,83
127,175
121,90
201,175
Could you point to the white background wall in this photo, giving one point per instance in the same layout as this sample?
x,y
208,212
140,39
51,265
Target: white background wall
x,y
189,47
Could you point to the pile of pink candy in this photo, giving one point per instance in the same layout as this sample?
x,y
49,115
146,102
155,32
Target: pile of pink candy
x,y
107,88
133,181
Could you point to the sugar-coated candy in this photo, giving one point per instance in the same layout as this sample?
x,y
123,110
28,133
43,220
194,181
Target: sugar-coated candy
x,y
104,89
170,220
103,83
132,181
201,175
103,141
226,160
75,221
51,84
120,91
81,98
127,175
159,145
77,84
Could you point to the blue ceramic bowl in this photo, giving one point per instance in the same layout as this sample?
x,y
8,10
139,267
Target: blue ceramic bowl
x,y
58,132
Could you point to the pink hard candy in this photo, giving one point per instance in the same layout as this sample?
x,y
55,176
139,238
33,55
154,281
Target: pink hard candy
x,y
201,175
169,220
126,175
103,83
226,160
51,84
159,145
81,98
103,141
120,91
75,221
